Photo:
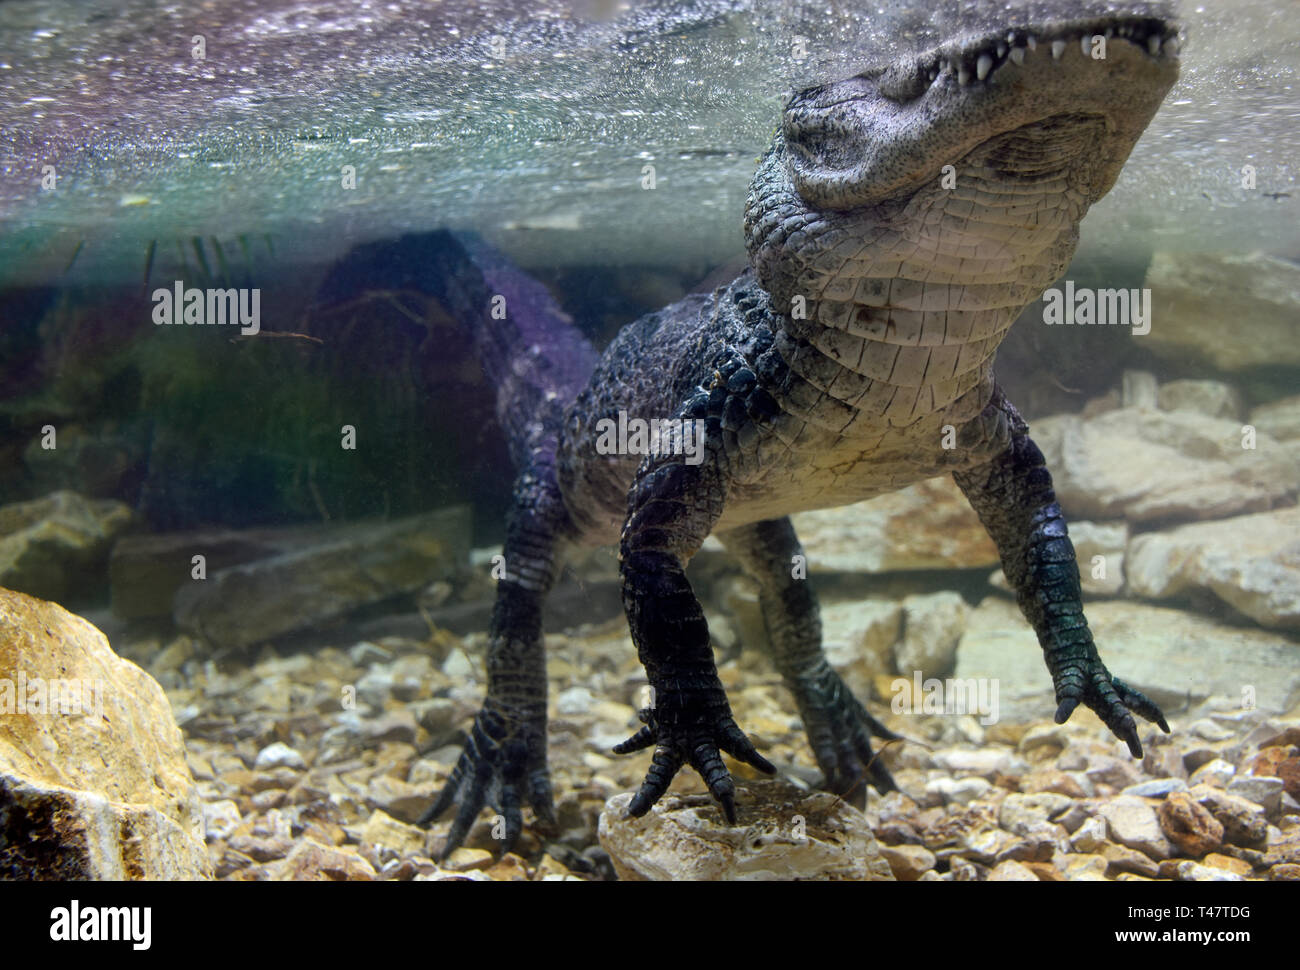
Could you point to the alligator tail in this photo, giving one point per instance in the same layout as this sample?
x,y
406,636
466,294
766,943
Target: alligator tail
x,y
531,352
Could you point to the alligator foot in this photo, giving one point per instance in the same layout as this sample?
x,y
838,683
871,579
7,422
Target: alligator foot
x,y
693,735
503,763
839,732
1090,683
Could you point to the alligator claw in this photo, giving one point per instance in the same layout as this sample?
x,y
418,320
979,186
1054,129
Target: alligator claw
x,y
1110,699
502,763
839,731
698,743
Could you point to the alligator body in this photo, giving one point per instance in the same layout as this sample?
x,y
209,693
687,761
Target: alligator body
x,y
898,224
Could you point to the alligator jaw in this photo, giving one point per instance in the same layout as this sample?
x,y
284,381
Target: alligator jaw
x,y
881,134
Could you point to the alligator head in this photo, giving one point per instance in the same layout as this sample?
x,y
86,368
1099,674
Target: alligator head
x,y
926,201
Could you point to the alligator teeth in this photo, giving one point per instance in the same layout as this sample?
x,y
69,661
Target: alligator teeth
x,y
963,75
1030,42
1171,47
983,66
1002,51
1058,48
1018,55
1110,32
1153,45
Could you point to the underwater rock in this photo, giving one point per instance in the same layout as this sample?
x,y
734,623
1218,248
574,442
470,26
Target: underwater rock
x,y
1188,825
908,862
1212,398
145,571
1253,319
49,545
1244,822
1251,562
1174,656
1132,822
94,785
1143,465
1280,419
351,566
932,626
311,861
1104,577
929,525
858,637
782,833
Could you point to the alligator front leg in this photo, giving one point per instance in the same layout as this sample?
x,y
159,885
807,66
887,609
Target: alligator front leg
x,y
504,759
672,507
1013,496
839,728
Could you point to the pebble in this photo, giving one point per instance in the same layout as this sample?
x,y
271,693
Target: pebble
x,y
1216,772
1244,822
575,700
1260,789
279,755
1195,872
1012,871
1156,788
1132,822
1120,858
986,762
220,819
908,862
1210,730
458,666
1024,813
1090,836
1217,860
1191,828
960,791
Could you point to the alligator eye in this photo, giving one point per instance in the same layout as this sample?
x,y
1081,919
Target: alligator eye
x,y
905,82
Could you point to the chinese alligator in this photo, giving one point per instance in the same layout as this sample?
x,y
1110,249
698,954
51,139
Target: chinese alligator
x,y
898,224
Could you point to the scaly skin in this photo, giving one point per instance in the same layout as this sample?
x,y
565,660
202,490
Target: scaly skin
x,y
843,364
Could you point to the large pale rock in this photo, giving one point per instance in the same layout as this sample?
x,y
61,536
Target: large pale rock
x,y
145,571
932,626
1144,465
782,833
929,525
858,637
1173,656
1251,562
48,543
1251,318
1279,419
1213,398
352,566
1104,577
101,794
